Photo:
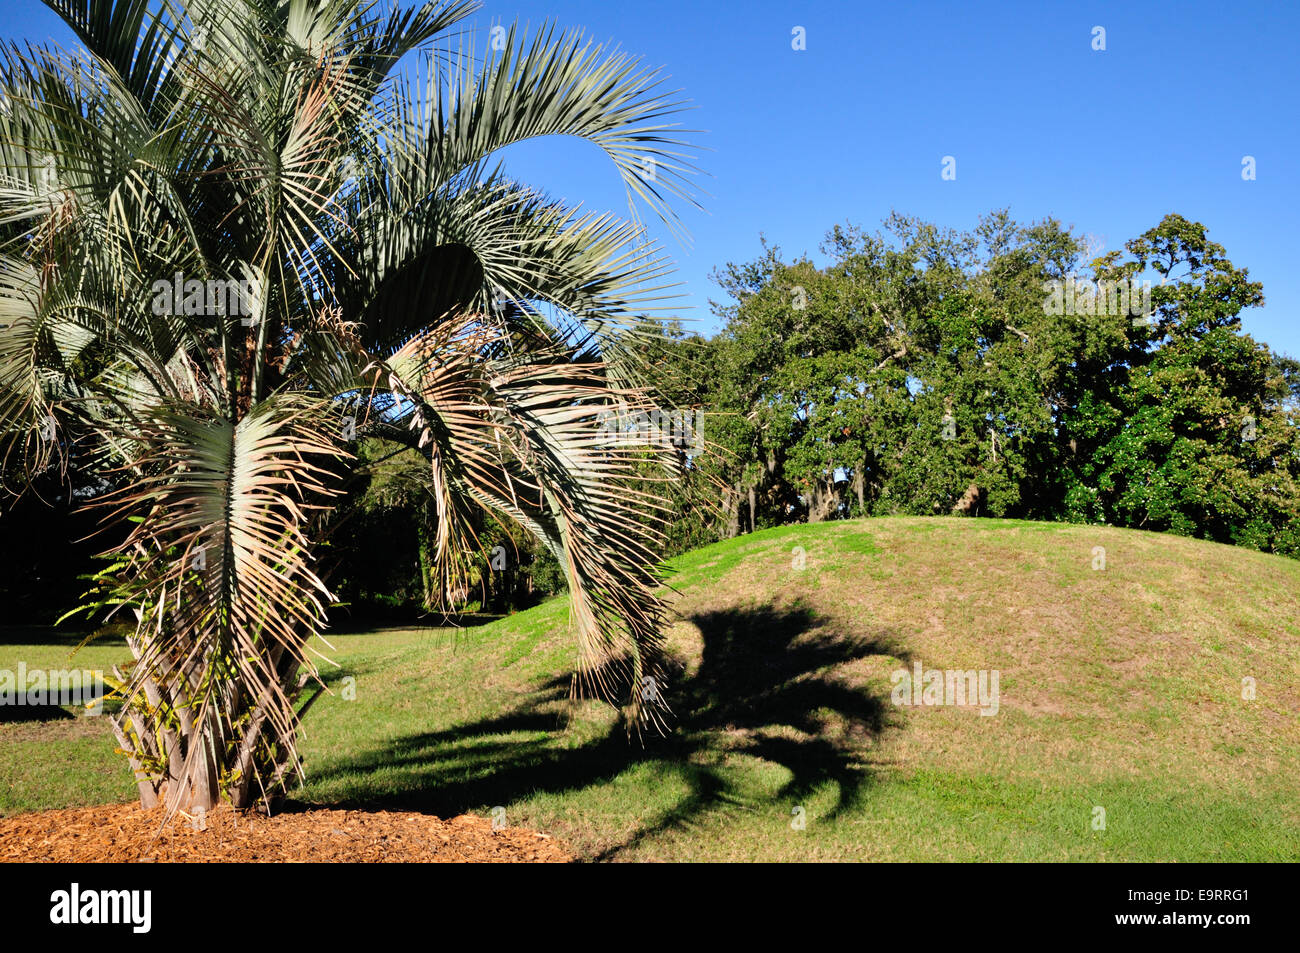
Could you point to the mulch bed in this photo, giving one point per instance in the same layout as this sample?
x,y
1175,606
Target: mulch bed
x,y
125,832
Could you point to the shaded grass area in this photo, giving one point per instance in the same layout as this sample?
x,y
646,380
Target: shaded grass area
x,y
51,755
1121,692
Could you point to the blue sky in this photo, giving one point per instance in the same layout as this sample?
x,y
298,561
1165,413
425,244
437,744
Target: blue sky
x,y
858,123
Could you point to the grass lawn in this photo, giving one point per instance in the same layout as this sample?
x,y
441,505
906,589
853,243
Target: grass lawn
x,y
1120,690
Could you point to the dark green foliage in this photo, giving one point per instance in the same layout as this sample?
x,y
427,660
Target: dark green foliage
x,y
927,371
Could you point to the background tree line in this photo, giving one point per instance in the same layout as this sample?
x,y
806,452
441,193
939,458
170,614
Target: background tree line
x,y
924,371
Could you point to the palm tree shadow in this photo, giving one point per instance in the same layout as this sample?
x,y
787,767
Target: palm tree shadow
x,y
778,684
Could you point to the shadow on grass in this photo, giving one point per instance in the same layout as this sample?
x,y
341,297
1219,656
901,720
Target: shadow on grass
x,y
766,687
55,636
342,623
14,714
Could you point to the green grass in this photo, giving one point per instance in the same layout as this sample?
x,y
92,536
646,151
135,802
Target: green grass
x,y
1119,689
57,756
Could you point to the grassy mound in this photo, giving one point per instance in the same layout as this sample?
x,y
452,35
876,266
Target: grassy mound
x,y
1119,730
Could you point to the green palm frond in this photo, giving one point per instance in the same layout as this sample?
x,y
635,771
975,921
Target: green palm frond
x,y
561,85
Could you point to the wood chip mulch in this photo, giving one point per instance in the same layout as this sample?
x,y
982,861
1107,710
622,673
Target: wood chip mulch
x,y
126,833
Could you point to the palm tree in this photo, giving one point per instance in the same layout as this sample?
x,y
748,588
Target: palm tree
x,y
235,237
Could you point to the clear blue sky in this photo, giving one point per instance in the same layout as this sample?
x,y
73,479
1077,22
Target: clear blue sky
x,y
857,124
